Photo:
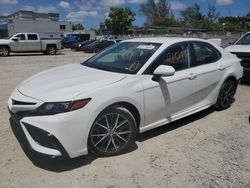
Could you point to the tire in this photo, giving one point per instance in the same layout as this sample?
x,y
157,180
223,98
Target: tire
x,y
51,50
4,51
113,132
96,50
226,95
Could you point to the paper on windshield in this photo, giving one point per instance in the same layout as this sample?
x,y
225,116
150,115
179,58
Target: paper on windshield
x,y
146,47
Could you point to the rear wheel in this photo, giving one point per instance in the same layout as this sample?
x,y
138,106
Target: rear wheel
x,y
51,50
112,132
226,95
4,51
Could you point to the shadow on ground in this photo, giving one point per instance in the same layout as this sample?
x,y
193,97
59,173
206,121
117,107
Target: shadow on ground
x,y
59,165
33,54
174,125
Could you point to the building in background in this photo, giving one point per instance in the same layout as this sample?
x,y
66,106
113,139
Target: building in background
x,y
46,25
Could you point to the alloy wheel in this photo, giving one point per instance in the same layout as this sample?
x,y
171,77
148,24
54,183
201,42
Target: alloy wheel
x,y
227,93
110,133
4,52
52,51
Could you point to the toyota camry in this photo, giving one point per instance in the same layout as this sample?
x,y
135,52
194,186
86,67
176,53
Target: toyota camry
x,y
100,105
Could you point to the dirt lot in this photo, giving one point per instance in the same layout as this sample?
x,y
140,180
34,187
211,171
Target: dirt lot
x,y
208,149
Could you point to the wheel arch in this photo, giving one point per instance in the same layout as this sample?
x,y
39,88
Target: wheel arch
x,y
48,45
234,78
130,107
5,45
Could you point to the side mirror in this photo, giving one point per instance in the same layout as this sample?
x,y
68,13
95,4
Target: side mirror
x,y
163,70
15,39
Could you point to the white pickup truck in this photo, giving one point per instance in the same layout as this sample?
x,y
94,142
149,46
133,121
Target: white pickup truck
x,y
241,48
28,42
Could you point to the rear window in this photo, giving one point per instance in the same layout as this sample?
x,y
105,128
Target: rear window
x,y
32,37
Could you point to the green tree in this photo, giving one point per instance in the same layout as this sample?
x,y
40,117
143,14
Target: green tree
x,y
119,20
77,27
193,17
233,24
156,12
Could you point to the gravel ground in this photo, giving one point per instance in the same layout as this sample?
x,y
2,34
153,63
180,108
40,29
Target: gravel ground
x,y
207,149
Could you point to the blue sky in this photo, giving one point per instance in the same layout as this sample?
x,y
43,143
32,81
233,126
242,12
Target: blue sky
x,y
92,12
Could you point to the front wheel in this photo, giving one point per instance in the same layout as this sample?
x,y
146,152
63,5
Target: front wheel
x,y
4,51
96,50
112,132
51,50
226,95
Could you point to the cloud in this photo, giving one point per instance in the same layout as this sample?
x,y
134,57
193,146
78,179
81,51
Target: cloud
x,y
175,5
47,9
135,1
64,5
224,2
80,15
8,2
112,3
28,7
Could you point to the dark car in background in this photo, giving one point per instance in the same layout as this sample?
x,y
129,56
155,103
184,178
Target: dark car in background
x,y
79,45
98,45
71,39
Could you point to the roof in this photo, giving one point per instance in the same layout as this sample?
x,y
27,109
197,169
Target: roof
x,y
163,39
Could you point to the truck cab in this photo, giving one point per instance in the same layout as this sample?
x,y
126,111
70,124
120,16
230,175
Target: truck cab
x,y
28,42
25,42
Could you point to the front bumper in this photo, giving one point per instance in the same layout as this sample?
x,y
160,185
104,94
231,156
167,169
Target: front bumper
x,y
62,135
36,140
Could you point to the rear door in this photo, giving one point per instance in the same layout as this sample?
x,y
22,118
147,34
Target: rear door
x,y
208,69
34,42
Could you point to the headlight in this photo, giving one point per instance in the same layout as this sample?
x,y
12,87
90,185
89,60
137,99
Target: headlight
x,y
51,108
79,45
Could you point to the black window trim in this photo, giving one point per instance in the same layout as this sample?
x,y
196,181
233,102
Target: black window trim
x,y
145,72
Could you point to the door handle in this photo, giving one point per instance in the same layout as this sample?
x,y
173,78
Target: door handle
x,y
221,68
192,76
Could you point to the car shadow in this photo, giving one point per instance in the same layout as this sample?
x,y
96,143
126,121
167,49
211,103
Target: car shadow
x,y
174,125
60,165
33,54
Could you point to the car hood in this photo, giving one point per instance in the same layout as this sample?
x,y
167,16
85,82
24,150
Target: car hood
x,y
66,82
4,41
238,48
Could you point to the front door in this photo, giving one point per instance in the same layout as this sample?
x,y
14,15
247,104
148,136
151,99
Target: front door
x,y
173,95
21,44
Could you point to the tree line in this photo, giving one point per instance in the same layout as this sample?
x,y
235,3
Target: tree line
x,y
159,13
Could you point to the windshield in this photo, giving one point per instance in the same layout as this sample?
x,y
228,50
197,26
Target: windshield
x,y
125,57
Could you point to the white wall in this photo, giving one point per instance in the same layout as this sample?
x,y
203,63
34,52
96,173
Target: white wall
x,y
45,28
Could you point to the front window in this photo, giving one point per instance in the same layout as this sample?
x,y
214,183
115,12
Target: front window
x,y
21,36
125,57
245,40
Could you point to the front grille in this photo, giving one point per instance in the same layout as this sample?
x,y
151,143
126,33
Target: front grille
x,y
19,115
15,102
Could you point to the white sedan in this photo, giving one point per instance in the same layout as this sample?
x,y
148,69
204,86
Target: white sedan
x,y
134,86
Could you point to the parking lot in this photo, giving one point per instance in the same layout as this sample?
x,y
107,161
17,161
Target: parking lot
x,y
208,149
